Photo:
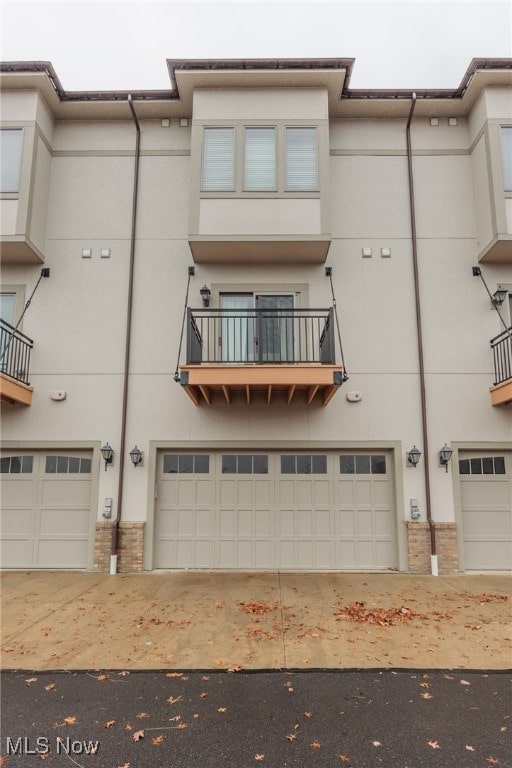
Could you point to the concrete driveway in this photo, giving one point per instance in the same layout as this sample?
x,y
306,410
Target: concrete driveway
x,y
204,620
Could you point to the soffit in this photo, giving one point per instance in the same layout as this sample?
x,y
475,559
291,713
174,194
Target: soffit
x,y
332,80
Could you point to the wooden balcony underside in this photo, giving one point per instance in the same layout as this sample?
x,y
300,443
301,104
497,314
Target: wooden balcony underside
x,y
501,394
14,392
206,384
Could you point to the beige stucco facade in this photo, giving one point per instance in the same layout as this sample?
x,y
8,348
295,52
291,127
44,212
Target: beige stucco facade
x,y
73,214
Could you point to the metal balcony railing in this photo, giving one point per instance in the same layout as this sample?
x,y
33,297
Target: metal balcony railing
x,y
15,349
501,347
264,336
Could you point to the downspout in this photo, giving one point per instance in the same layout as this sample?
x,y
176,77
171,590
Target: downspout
x,y
419,333
122,442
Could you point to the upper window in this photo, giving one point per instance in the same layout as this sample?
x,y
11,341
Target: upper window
x,y
218,159
274,158
506,148
11,140
7,307
260,159
301,159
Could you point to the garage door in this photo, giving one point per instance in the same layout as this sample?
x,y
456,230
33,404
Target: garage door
x,y
46,510
273,510
486,493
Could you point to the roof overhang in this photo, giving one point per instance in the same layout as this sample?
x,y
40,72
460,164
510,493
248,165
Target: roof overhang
x,y
186,75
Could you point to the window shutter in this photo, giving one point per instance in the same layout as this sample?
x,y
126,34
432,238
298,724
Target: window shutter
x,y
218,159
260,159
301,159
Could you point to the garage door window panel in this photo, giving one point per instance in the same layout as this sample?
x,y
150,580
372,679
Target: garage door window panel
x,y
67,465
16,465
486,465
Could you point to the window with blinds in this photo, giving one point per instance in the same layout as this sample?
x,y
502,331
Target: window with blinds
x,y
11,141
506,145
218,159
301,159
260,159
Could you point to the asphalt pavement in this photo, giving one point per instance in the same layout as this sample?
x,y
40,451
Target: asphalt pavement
x,y
279,719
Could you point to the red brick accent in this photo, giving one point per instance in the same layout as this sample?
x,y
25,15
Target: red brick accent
x,y
130,547
418,539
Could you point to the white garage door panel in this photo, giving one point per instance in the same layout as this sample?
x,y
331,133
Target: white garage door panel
x,y
46,510
274,511
486,500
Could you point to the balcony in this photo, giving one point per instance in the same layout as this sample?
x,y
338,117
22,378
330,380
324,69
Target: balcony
x,y
15,349
501,345
261,355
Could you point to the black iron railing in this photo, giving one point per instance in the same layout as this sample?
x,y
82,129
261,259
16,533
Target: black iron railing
x,y
265,336
15,349
501,347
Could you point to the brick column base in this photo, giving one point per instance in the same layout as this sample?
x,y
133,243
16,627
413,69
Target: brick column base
x,y
130,547
418,540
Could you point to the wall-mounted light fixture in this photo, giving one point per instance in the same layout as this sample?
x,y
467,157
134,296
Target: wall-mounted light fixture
x,y
445,455
499,296
107,453
205,295
413,456
136,456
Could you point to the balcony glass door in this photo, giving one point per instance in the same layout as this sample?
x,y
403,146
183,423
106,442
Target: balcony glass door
x,y
262,336
237,331
275,328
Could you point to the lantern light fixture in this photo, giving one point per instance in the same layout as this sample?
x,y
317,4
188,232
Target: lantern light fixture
x,y
107,453
136,456
413,456
205,295
445,455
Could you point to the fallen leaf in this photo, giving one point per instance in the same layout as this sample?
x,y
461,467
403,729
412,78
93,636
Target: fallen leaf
x,y
203,695
308,714
138,735
126,765
70,720
50,687
315,745
123,674
181,726
174,699
109,724
259,757
426,696
493,761
376,743
434,745
31,680
344,758
157,740
222,709
470,749
174,674
142,715
291,737
464,682
101,678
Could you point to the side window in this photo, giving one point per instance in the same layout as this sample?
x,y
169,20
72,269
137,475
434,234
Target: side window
x,y
7,307
11,141
506,152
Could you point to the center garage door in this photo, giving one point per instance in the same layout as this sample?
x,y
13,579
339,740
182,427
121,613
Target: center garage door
x,y
46,510
486,500
275,510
